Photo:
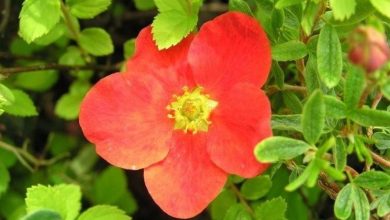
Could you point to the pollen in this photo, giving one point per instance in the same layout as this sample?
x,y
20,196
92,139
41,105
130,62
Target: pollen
x,y
191,110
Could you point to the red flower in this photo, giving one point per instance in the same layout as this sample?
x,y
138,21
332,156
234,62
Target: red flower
x,y
189,115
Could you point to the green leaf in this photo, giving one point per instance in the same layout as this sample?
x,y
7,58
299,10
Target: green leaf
x,y
318,165
343,204
176,19
129,48
334,107
4,178
22,106
333,172
310,170
313,117
286,122
256,188
292,102
109,186
79,87
236,212
382,140
87,8
144,5
6,96
362,10
286,3
274,149
343,9
104,212
54,34
354,86
222,203
61,143
339,155
12,206
73,56
311,75
68,106
127,203
383,6
64,199
360,204
329,56
372,179
43,214
370,117
308,18
241,6
278,74
385,88
38,81
274,209
291,50
383,205
83,163
96,41
38,17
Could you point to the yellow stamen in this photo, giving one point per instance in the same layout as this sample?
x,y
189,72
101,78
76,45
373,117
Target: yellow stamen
x,y
191,110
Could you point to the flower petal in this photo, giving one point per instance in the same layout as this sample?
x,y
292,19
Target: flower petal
x,y
125,119
241,120
148,58
230,49
186,181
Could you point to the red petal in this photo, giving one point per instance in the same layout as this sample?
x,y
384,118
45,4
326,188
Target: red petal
x,y
230,49
186,181
241,120
148,59
126,119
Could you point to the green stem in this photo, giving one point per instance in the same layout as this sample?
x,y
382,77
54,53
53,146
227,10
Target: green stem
x,y
273,89
73,30
68,22
380,160
241,198
27,159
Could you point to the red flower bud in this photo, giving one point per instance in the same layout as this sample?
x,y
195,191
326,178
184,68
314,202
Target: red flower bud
x,y
368,48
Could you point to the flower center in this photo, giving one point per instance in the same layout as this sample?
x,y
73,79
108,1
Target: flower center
x,y
191,110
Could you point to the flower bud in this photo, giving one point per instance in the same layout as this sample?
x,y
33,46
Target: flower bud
x,y
368,48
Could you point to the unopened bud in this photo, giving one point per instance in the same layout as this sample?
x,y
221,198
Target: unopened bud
x,y
368,48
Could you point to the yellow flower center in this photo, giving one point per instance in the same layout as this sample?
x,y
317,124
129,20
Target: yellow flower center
x,y
191,110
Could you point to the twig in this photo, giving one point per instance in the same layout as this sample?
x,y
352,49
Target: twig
x,y
380,160
10,56
28,159
242,200
351,171
366,92
6,14
332,189
274,89
54,66
376,100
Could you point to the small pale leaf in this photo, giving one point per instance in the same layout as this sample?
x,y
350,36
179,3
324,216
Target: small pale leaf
x,y
278,148
329,56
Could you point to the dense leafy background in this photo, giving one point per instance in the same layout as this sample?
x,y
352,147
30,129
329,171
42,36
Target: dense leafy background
x,y
331,118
